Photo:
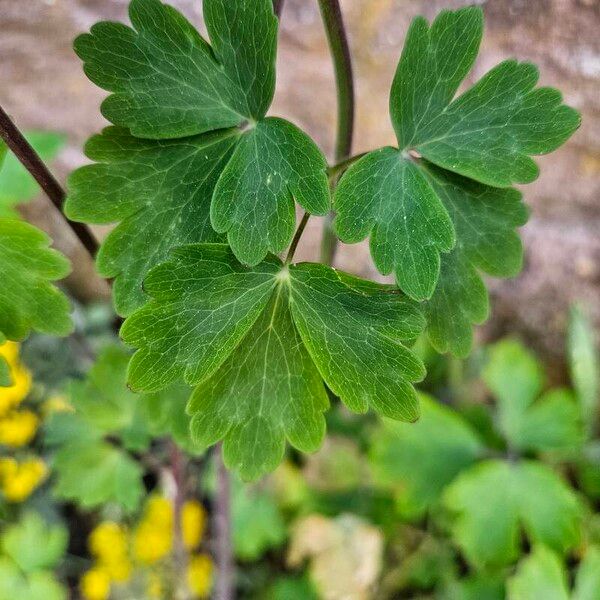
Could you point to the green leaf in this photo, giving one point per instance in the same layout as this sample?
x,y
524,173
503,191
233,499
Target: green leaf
x,y
584,366
552,422
419,460
17,186
254,341
386,196
5,376
40,585
489,132
476,587
167,82
94,473
484,219
28,300
587,580
273,164
540,575
487,523
21,542
257,524
159,191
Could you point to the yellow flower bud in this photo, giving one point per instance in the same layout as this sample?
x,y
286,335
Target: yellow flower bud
x,y
199,575
159,512
193,522
19,480
108,543
18,428
95,584
151,543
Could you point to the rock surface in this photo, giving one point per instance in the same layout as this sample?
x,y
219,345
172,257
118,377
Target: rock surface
x,y
43,87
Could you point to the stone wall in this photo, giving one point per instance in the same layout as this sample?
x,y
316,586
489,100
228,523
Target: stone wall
x,y
42,86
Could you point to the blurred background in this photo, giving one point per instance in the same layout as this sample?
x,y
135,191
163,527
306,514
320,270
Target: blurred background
x,y
43,87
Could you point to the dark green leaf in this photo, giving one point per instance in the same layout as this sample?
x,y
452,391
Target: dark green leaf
x,y
168,82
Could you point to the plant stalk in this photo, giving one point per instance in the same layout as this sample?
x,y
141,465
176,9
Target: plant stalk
x,y
33,163
278,7
297,236
224,588
342,62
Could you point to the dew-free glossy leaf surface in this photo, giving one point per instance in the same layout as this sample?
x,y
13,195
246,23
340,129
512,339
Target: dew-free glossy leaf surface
x,y
167,81
485,219
28,300
159,190
355,331
274,164
489,132
418,460
385,195
533,497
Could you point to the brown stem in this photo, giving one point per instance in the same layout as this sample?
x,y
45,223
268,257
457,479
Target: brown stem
x,y
224,588
33,163
278,7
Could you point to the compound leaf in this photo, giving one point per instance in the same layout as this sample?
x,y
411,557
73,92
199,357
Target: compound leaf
x,y
167,82
386,196
487,523
419,460
159,190
28,300
272,165
484,219
254,341
489,132
540,575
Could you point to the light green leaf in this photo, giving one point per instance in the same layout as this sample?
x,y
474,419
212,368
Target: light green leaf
x,y
41,585
17,186
22,542
266,391
540,575
487,523
273,164
485,219
552,422
5,376
254,340
94,473
28,300
584,366
587,580
489,132
419,460
167,82
257,524
159,191
386,196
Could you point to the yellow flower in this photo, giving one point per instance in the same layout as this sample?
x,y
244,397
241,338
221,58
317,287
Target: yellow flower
x,y
159,512
95,584
151,543
18,428
14,394
193,522
108,543
199,575
18,480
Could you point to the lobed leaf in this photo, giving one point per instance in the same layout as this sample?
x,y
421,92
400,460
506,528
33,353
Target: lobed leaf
x,y
168,82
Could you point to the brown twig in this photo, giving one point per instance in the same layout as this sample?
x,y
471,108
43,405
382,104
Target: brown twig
x,y
224,588
33,163
278,7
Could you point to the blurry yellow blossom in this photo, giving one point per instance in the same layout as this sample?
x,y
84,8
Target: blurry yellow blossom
x,y
18,428
108,543
199,575
193,521
153,537
95,584
13,395
56,404
159,511
18,480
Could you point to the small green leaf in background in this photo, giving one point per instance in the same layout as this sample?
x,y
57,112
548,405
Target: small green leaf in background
x,y
257,341
587,579
28,300
33,544
17,186
257,524
584,366
476,587
41,585
551,421
540,575
417,461
94,473
493,500
292,588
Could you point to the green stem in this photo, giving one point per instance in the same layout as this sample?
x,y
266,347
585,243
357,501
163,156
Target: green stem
x,y
297,236
342,63
337,170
